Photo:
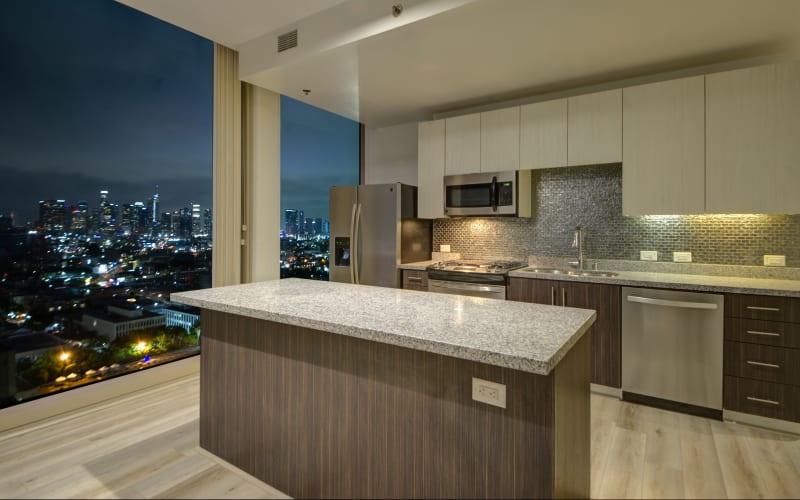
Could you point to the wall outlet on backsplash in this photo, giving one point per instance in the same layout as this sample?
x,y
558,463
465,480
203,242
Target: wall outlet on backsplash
x,y
648,255
681,256
444,248
775,260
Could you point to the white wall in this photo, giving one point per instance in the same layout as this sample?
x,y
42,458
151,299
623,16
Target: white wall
x,y
390,154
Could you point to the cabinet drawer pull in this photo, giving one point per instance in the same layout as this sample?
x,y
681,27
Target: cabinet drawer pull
x,y
552,295
765,365
759,308
765,334
765,401
413,278
564,297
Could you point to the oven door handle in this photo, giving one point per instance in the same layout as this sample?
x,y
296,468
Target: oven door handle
x,y
460,286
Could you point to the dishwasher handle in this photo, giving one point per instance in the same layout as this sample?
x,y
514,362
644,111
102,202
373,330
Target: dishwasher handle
x,y
671,303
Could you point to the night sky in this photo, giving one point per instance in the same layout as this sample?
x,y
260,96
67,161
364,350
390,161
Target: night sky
x,y
318,150
95,95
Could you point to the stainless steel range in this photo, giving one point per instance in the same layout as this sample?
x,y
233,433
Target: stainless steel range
x,y
477,278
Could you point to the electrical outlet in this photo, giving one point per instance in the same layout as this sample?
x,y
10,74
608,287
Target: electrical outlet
x,y
648,255
681,256
489,392
444,248
775,260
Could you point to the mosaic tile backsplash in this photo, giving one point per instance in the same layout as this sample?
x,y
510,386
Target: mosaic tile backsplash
x,y
591,197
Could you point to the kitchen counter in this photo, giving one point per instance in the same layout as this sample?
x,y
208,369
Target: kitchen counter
x,y
332,390
692,282
526,337
418,266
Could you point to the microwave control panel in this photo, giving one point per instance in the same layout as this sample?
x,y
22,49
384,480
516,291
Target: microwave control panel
x,y
505,194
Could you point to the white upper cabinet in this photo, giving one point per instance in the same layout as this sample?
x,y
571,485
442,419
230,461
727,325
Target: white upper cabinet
x,y
595,128
430,173
463,144
753,140
500,140
663,155
543,135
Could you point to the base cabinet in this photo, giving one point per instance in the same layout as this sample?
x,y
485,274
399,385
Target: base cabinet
x,y
415,280
606,332
761,357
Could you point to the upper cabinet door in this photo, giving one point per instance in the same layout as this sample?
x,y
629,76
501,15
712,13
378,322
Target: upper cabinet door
x,y
663,155
595,128
753,140
543,135
463,144
500,140
430,173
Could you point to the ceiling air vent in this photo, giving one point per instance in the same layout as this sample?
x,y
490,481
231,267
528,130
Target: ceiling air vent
x,y
287,41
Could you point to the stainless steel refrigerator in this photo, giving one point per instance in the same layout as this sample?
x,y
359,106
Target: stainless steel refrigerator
x,y
374,229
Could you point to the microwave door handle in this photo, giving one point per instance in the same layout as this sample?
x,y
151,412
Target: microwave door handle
x,y
493,194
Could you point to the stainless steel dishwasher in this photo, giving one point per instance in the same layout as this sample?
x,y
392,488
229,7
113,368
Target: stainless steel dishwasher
x,y
672,350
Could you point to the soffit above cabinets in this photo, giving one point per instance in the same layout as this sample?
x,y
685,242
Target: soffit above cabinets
x,y
442,55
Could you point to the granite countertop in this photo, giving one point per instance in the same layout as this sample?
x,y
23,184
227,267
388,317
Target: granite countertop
x,y
418,266
527,337
693,282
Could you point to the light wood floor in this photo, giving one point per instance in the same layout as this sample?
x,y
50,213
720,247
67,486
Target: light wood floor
x,y
145,446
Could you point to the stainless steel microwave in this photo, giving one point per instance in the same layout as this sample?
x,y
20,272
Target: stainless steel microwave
x,y
488,194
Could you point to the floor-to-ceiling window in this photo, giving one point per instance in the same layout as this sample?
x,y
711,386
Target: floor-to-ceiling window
x,y
319,149
105,192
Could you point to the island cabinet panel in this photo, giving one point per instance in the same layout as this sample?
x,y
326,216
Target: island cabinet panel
x,y
607,329
321,415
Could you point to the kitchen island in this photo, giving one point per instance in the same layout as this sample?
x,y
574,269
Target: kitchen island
x,y
336,390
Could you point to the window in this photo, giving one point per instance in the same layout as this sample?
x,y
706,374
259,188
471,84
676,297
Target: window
x,y
319,149
105,199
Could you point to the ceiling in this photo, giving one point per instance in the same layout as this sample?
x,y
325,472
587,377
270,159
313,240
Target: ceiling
x,y
476,52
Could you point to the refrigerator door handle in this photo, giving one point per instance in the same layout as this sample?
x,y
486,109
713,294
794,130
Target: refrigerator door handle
x,y
352,244
355,247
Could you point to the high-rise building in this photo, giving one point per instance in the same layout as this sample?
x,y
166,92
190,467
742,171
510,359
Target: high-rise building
x,y
184,222
51,215
108,214
197,225
290,221
326,227
318,225
208,222
80,217
154,205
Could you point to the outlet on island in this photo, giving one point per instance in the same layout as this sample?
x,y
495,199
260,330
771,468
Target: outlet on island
x,y
444,248
489,392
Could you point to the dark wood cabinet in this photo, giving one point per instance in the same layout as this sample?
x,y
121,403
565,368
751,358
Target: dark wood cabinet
x,y
606,331
415,280
762,356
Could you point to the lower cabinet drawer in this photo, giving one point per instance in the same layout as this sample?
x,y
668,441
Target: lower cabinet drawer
x,y
415,280
772,364
762,398
757,331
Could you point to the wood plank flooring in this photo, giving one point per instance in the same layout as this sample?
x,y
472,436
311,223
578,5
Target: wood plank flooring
x,y
643,452
145,445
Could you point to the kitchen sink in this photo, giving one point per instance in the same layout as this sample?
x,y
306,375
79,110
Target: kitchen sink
x,y
570,272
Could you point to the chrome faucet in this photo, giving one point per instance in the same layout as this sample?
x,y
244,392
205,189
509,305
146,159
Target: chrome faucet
x,y
577,242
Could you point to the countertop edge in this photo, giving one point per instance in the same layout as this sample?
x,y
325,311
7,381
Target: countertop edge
x,y
661,283
538,367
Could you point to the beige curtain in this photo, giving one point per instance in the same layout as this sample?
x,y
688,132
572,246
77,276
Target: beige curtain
x,y
226,261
